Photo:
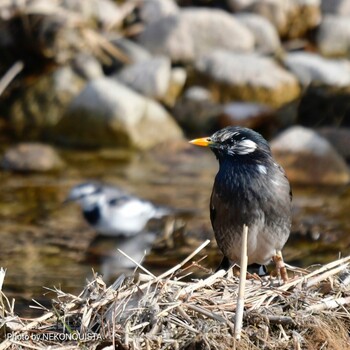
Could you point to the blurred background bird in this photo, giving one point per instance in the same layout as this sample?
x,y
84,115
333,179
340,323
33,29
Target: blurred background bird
x,y
250,188
121,221
112,211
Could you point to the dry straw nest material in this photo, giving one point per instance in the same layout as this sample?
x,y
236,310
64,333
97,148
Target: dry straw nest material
x,y
171,311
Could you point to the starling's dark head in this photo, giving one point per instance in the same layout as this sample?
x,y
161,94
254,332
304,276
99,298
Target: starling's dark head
x,y
235,141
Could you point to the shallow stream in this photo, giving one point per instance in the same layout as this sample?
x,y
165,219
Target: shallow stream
x,y
45,243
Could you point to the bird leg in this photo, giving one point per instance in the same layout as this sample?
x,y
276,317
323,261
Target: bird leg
x,y
280,266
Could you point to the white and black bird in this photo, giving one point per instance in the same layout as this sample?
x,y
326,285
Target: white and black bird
x,y
113,212
250,189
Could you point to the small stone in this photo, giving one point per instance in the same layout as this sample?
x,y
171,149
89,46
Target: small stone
x,y
308,158
32,157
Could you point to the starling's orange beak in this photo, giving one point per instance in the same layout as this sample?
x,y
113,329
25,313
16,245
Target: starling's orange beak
x,y
204,142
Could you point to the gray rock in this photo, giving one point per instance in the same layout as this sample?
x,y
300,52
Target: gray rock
x,y
43,103
107,113
192,32
151,77
333,36
247,77
265,34
152,10
336,7
308,158
313,69
31,157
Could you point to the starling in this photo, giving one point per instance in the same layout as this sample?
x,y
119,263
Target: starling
x,y
250,189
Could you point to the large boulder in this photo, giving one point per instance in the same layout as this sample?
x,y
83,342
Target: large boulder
x,y
313,69
182,38
107,113
308,158
246,77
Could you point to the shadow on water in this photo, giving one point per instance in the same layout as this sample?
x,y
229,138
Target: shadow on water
x,y
46,243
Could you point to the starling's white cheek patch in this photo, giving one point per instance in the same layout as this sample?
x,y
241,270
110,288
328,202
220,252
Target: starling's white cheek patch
x,y
262,169
246,147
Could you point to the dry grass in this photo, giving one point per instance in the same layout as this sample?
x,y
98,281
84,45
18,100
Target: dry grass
x,y
172,311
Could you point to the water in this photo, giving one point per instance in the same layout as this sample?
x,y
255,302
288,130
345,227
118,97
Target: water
x,y
45,243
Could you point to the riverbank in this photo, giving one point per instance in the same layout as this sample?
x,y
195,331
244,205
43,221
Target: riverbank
x,y
171,311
